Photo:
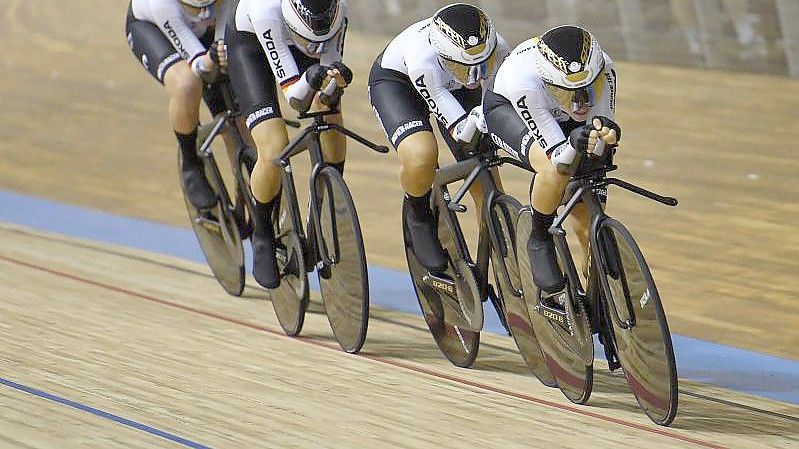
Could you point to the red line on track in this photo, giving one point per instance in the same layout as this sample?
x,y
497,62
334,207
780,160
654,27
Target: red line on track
x,y
375,358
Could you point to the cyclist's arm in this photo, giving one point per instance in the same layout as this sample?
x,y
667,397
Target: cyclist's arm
x,y
544,131
440,101
169,18
334,50
271,34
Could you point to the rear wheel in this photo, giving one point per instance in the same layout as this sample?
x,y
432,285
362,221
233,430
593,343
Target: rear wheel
x,y
514,223
455,328
345,282
642,336
560,329
217,229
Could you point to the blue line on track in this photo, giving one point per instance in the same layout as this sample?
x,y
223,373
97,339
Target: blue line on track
x,y
102,414
698,360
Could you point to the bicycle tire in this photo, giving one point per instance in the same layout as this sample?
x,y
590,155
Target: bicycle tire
x,y
345,283
564,361
505,217
455,338
645,349
217,230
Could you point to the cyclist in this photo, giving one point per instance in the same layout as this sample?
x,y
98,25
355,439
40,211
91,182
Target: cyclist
x,y
552,102
302,43
171,38
436,66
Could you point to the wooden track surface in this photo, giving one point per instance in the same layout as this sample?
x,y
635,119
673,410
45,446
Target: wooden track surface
x,y
158,342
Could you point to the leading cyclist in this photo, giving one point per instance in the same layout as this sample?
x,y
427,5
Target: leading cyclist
x,y
171,39
436,66
298,44
553,102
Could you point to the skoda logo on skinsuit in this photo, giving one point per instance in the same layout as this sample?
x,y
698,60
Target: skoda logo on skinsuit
x,y
269,43
428,98
176,40
528,118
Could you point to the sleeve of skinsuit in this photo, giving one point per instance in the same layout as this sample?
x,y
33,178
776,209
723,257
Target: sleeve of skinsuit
x,y
544,129
427,81
171,21
268,25
606,105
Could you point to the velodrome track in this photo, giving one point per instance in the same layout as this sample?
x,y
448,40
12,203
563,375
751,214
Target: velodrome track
x,y
153,340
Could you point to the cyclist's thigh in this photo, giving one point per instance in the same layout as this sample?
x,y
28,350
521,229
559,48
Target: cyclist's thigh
x,y
398,107
150,47
251,77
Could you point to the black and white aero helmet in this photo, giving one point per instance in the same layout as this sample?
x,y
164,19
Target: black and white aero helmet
x,y
313,22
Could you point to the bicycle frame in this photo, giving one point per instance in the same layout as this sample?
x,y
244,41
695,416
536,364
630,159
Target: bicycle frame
x,y
475,168
586,187
310,139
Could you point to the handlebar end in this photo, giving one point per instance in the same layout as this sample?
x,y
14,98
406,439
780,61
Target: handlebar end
x,y
381,149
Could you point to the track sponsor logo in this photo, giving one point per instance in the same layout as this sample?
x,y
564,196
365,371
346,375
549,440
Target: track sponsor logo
x,y
173,36
535,133
274,56
428,97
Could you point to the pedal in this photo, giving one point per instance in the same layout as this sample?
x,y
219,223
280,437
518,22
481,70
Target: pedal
x,y
209,222
440,284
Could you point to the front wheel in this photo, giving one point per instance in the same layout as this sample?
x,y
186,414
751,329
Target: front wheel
x,y
345,280
634,309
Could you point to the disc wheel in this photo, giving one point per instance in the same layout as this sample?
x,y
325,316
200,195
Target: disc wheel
x,y
506,217
217,232
345,282
642,336
456,335
562,350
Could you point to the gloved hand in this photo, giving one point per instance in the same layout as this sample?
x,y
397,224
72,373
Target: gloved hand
x,y
218,54
342,75
468,127
605,134
301,94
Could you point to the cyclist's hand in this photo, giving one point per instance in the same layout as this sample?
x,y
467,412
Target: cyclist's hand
x,y
316,76
341,73
218,54
605,133
468,127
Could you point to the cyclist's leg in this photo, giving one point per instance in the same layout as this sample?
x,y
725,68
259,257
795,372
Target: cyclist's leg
x,y
405,119
161,60
254,86
510,133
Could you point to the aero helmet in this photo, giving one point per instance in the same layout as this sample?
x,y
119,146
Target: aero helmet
x,y
311,23
569,61
465,40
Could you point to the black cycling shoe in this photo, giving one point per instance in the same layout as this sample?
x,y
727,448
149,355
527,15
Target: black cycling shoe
x,y
423,228
198,190
264,267
543,260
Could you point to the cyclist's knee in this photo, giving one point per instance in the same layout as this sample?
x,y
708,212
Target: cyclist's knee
x,y
418,153
270,137
181,83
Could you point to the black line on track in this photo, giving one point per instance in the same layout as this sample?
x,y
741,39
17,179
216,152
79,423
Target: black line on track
x,y
386,320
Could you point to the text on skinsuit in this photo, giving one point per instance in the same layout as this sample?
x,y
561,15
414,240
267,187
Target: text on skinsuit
x,y
431,104
521,103
405,127
274,56
263,112
176,40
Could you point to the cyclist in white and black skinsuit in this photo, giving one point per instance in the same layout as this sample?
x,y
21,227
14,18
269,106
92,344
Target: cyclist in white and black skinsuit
x,y
297,44
437,66
553,101
170,38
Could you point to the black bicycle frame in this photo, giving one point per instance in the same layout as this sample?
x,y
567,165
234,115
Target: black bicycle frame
x,y
310,139
586,188
475,168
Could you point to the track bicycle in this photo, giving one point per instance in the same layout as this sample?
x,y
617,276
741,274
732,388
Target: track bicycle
x,y
452,300
620,303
